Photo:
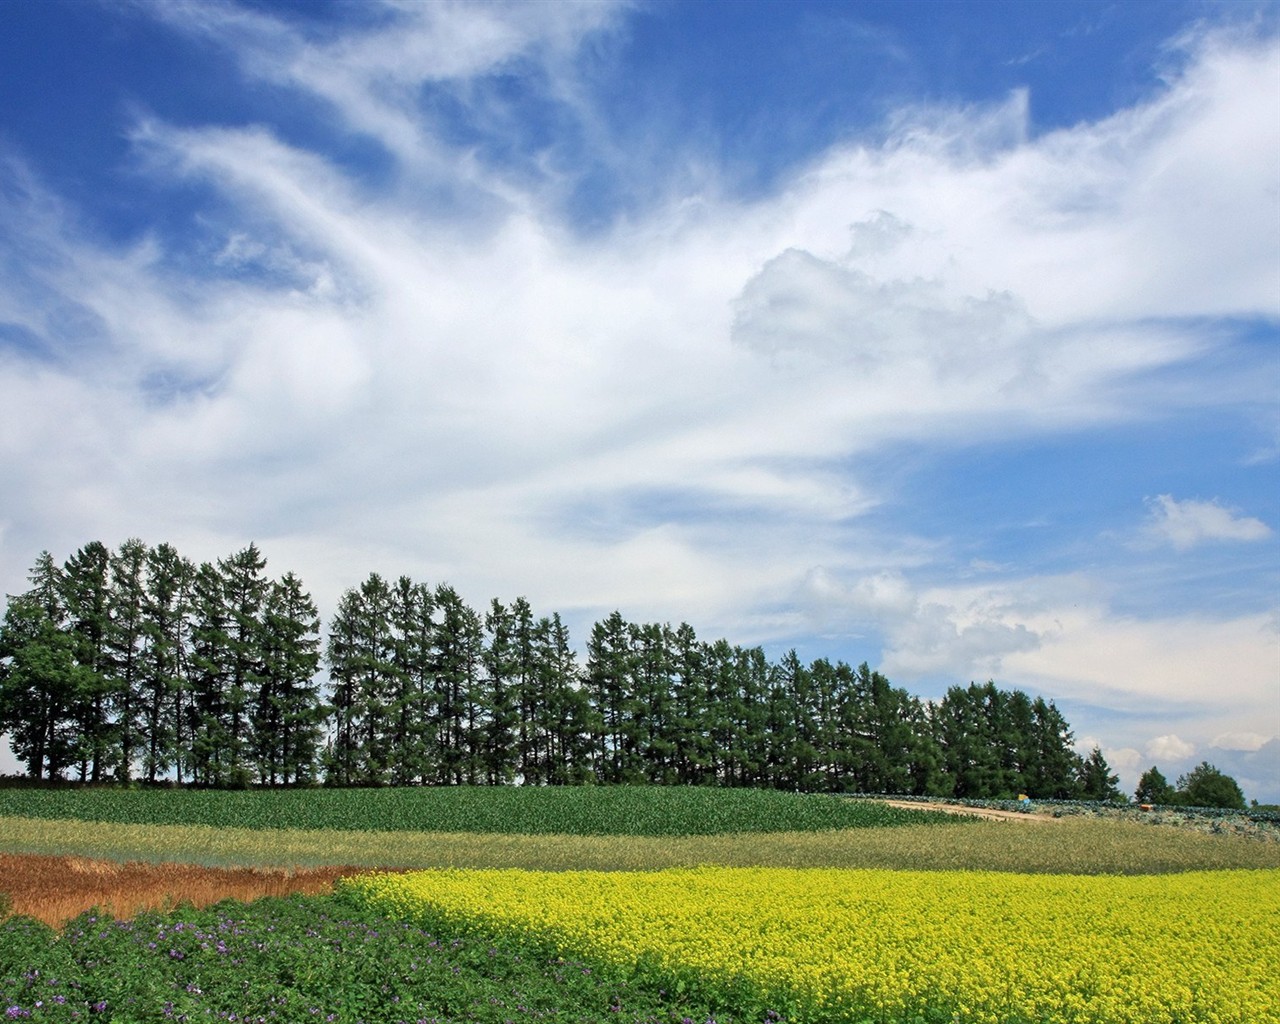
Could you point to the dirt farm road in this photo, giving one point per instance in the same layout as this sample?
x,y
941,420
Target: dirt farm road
x,y
991,813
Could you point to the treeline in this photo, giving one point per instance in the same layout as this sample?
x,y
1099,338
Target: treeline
x,y
139,664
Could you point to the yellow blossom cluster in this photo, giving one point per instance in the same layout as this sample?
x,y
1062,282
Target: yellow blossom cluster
x,y
853,945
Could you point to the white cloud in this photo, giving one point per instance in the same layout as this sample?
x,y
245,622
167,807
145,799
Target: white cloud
x,y
1170,748
1121,679
373,75
1125,762
1186,524
1154,666
1257,771
967,632
1247,741
938,640
799,303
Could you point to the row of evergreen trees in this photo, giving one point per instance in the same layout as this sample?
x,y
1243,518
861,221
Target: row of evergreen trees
x,y
138,663
138,660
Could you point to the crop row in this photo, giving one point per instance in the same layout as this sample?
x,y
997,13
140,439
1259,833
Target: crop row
x,y
853,946
578,810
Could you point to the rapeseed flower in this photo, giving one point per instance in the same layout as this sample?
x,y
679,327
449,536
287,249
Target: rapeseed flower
x,y
848,945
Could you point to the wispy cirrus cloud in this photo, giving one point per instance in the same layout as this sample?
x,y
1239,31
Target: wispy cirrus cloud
x,y
430,83
507,357
434,366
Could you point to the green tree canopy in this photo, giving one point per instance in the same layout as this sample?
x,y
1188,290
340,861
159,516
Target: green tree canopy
x,y
1154,788
1096,780
139,663
1205,786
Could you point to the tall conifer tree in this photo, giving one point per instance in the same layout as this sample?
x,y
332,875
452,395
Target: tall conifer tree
x,y
165,649
287,711
210,679
40,679
125,638
87,593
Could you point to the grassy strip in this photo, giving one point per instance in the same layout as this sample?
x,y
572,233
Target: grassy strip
x,y
1076,846
307,959
575,810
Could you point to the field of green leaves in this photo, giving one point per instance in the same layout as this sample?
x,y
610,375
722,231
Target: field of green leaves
x,y
559,810
661,906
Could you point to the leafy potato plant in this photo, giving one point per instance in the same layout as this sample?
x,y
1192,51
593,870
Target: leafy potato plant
x,y
301,961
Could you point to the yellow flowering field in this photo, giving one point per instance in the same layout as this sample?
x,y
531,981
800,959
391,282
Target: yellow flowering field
x,y
847,945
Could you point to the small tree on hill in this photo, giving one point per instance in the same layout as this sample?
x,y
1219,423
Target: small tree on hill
x,y
1154,788
1096,780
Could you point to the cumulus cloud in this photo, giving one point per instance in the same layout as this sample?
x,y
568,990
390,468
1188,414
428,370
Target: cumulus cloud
x,y
1124,761
1246,741
940,638
1186,524
800,304
1170,748
965,632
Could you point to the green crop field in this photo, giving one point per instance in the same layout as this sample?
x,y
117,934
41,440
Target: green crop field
x,y
569,810
345,960
303,960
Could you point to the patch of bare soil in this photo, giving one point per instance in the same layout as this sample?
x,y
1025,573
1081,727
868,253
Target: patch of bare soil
x,y
56,889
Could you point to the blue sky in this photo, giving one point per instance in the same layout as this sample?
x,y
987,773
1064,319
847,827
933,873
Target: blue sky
x,y
942,336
